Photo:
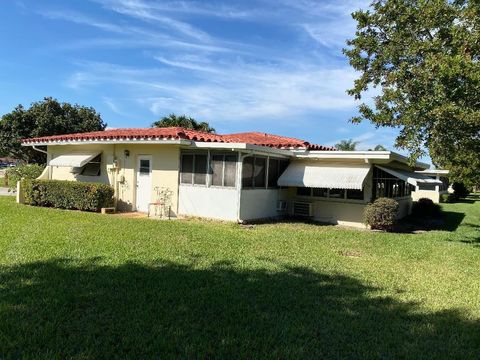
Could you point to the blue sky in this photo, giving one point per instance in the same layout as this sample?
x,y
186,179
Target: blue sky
x,y
265,65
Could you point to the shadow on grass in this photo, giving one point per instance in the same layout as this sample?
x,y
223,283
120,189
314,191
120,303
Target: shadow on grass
x,y
60,309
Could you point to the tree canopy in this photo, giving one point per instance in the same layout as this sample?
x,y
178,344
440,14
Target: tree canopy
x,y
347,145
44,118
183,121
423,57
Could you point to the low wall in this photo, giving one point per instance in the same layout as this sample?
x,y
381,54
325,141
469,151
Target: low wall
x,y
428,194
213,203
259,203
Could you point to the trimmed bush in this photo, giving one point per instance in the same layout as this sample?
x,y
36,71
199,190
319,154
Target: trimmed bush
x,y
460,190
17,173
381,214
68,194
425,207
447,198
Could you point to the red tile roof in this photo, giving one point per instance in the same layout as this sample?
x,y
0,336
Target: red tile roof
x,y
177,133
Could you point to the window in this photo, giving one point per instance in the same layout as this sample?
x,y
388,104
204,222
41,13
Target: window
x,y
254,172
336,193
355,194
247,172
259,172
144,166
194,169
93,167
320,192
223,168
272,172
186,176
200,167
386,185
304,191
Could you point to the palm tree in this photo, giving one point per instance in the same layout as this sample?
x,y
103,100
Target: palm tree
x,y
379,148
183,121
347,145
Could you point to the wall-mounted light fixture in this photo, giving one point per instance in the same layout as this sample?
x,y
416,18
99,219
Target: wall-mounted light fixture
x,y
126,153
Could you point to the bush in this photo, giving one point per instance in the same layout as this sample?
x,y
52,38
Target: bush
x,y
382,214
67,194
447,198
460,190
425,207
17,173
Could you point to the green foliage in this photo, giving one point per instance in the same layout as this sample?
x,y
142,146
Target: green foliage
x,y
425,208
423,56
347,145
173,120
44,118
381,214
460,190
26,171
68,194
447,198
78,285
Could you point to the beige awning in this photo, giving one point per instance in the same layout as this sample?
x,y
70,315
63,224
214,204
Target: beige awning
x,y
317,175
413,178
73,160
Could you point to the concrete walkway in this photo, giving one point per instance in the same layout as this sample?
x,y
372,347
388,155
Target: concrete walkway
x,y
4,192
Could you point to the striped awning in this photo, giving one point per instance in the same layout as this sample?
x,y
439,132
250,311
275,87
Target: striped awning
x,y
73,159
413,178
317,175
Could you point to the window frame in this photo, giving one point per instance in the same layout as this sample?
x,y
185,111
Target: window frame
x,y
224,166
97,160
388,183
194,156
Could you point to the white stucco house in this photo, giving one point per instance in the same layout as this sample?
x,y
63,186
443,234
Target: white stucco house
x,y
235,177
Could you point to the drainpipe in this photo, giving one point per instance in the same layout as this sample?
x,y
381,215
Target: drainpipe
x,y
46,153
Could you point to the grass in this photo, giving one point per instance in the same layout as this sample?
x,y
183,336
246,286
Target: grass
x,y
80,285
2,182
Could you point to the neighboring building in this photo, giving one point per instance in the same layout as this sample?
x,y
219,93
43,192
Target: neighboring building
x,y
237,177
433,191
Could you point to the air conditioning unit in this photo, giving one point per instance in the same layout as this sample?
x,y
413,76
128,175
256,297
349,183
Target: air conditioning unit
x,y
282,206
302,209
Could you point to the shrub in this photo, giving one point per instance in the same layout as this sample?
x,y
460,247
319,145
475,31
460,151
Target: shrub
x,y
17,173
425,207
447,198
381,214
460,190
67,194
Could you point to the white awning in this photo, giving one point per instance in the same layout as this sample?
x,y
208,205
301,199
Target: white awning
x,y
73,160
318,175
413,178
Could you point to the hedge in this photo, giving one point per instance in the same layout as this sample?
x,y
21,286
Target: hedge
x,y
425,207
67,194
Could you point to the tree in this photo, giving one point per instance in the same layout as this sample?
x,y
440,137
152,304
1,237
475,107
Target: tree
x,y
183,121
424,58
347,145
44,118
379,148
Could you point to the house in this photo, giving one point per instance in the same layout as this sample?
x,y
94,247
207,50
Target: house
x,y
236,177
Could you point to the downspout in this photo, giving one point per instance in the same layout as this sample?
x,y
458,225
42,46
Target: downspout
x,y
46,153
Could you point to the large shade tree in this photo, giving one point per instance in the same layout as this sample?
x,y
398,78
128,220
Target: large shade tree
x,y
423,56
44,118
183,121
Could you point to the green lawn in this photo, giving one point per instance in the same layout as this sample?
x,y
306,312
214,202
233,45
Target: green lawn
x,y
80,285
2,182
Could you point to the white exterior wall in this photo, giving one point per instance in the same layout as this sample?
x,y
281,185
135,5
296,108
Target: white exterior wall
x,y
259,203
208,202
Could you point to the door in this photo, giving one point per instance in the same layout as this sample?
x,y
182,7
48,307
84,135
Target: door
x,y
144,182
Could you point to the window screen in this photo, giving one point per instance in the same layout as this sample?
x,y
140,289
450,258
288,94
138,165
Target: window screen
x,y
247,172
230,170
91,169
186,175
337,193
200,166
320,192
216,164
259,172
355,194
272,172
